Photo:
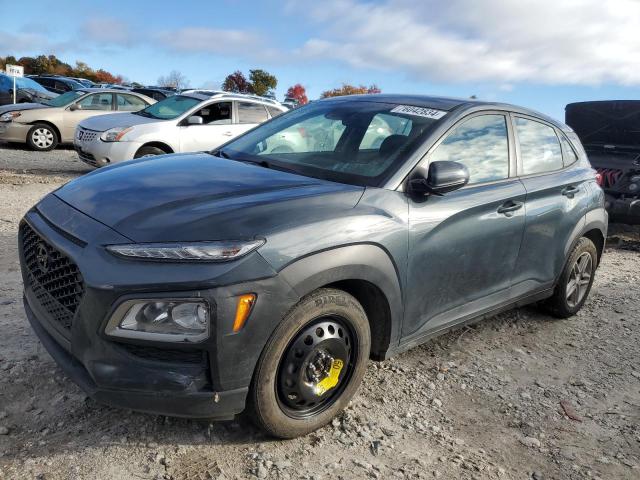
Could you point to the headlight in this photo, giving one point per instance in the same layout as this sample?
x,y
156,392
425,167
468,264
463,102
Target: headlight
x,y
181,252
115,134
635,178
7,117
164,320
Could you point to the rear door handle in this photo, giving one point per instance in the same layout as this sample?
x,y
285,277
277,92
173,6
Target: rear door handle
x,y
570,191
509,207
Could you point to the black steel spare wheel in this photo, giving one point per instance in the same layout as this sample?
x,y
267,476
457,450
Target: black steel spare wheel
x,y
316,366
311,365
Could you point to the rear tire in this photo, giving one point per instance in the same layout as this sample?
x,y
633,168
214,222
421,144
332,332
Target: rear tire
x,y
149,152
576,280
325,333
42,137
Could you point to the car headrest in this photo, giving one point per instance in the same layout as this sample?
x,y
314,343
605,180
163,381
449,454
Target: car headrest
x,y
391,144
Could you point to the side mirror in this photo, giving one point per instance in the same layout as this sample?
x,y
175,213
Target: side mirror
x,y
75,107
443,177
195,120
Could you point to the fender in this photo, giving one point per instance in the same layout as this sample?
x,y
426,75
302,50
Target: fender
x,y
366,262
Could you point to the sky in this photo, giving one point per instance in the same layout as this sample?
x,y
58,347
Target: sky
x,y
541,54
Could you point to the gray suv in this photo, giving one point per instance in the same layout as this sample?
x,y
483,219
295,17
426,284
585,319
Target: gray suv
x,y
204,284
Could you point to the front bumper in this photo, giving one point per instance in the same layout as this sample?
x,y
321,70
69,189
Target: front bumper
x,y
99,154
14,131
192,404
209,379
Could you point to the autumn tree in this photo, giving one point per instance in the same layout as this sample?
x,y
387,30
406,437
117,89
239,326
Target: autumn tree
x,y
102,76
347,89
175,79
262,81
298,93
236,82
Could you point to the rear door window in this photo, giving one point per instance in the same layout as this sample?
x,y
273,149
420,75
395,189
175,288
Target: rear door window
x,y
251,113
129,103
539,147
481,144
97,101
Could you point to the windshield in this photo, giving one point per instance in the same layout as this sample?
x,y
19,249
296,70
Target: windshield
x,y
64,99
24,82
355,142
170,107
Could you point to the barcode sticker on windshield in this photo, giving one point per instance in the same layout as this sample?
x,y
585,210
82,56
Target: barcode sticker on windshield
x,y
419,111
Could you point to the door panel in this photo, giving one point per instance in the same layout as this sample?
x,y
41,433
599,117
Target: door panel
x,y
92,105
216,129
557,201
551,220
462,253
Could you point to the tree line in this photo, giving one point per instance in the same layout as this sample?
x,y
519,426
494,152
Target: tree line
x,y
259,82
51,65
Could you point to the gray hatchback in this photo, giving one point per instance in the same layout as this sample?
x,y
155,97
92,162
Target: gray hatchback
x,y
263,275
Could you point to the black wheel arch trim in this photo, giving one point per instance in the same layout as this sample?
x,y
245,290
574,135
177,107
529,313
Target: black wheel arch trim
x,y
365,262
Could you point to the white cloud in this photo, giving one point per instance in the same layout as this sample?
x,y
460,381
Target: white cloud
x,y
212,40
107,32
505,41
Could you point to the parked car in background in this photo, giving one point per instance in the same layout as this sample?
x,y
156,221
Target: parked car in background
x,y
186,122
85,82
27,91
44,126
610,133
155,93
58,84
198,285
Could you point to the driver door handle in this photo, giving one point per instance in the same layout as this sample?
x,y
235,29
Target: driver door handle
x,y
228,134
509,207
570,191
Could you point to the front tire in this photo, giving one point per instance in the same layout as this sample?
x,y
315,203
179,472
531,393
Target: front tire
x,y
149,152
312,365
42,137
576,280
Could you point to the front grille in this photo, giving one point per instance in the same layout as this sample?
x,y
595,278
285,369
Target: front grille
x,y
610,176
86,157
54,279
86,135
165,354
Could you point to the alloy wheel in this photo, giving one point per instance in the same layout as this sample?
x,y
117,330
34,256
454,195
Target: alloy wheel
x,y
579,279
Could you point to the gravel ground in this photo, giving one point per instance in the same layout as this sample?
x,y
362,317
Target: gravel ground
x,y
517,396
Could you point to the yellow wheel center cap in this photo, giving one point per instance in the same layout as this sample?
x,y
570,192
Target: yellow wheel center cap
x,y
331,380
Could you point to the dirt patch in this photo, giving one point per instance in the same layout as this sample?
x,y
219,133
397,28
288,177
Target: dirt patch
x,y
517,396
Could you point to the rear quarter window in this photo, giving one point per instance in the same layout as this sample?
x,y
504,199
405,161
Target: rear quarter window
x,y
568,152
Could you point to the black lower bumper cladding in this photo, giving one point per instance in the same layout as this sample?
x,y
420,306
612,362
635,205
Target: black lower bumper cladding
x,y
207,404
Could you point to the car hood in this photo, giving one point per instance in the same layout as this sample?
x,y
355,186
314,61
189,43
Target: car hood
x,y
197,197
101,123
21,107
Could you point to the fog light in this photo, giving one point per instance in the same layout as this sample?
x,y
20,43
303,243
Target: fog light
x,y
633,187
171,320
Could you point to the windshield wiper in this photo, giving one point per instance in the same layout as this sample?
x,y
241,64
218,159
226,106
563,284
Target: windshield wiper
x,y
219,153
142,113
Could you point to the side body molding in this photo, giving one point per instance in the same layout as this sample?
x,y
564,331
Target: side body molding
x,y
365,262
